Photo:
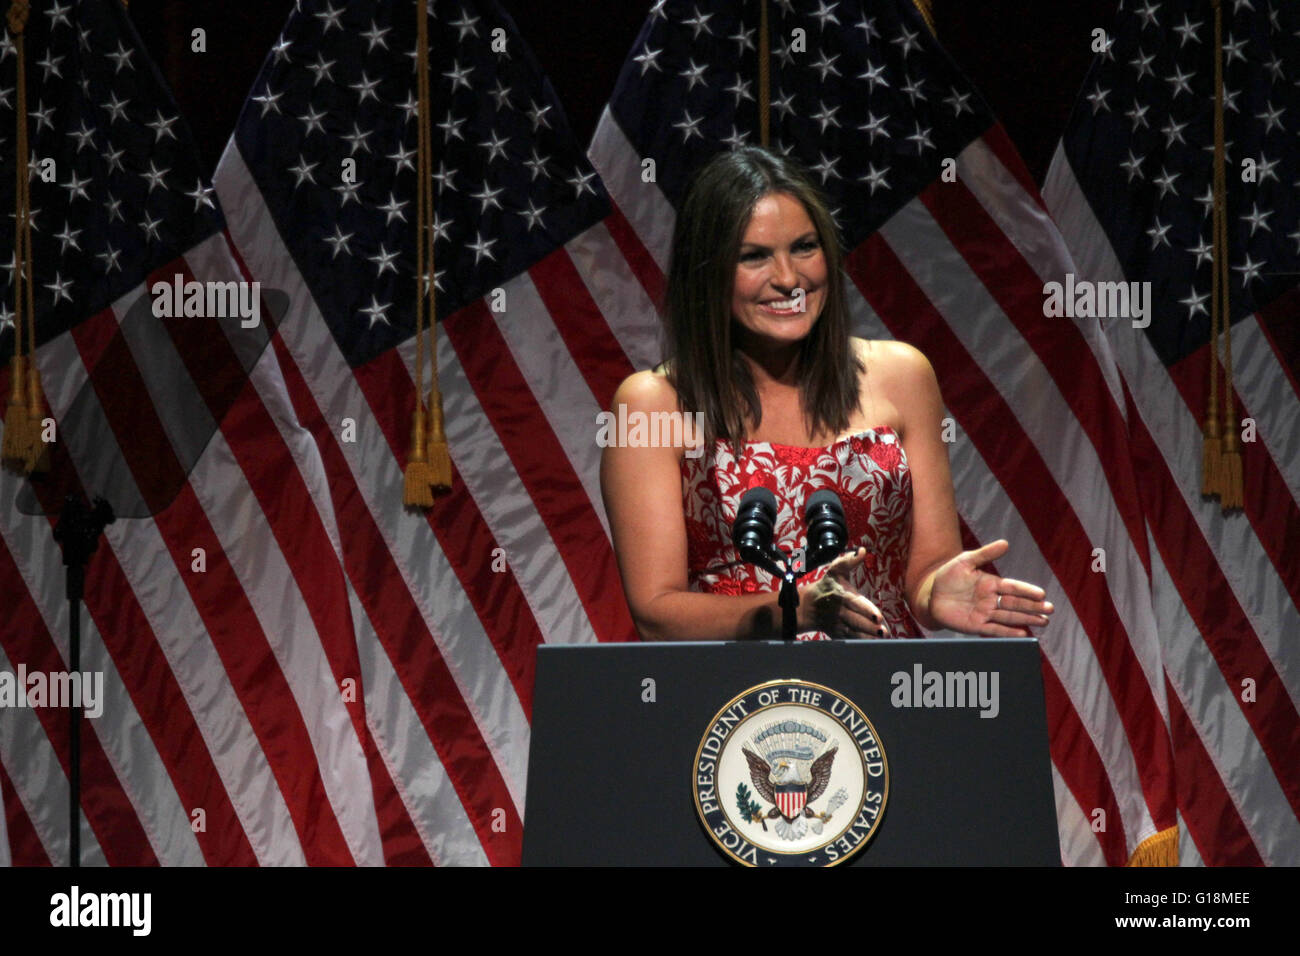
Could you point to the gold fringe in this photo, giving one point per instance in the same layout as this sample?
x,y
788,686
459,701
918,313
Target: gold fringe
x,y
36,453
1211,457
1160,849
439,456
418,477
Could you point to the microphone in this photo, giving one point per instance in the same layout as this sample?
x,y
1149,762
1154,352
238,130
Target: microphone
x,y
755,527
828,532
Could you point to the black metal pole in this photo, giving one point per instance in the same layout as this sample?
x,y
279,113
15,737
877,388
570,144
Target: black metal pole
x,y
77,531
789,601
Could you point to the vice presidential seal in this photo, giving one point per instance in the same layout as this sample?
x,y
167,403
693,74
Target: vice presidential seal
x,y
791,773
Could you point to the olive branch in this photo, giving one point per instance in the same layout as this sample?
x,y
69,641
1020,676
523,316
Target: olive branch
x,y
749,809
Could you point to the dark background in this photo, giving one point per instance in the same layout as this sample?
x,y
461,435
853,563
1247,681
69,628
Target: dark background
x,y
1027,58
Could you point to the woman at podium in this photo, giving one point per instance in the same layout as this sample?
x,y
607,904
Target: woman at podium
x,y
762,384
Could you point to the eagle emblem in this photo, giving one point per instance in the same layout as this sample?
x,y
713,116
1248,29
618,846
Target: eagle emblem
x,y
790,767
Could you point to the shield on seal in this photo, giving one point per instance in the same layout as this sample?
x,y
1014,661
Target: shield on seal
x,y
790,798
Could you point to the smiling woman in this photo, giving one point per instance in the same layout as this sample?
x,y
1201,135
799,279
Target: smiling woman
x,y
759,351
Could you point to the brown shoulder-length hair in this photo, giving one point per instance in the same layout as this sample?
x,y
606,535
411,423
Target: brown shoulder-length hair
x,y
701,360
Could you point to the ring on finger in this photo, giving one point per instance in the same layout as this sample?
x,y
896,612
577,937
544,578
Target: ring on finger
x,y
999,604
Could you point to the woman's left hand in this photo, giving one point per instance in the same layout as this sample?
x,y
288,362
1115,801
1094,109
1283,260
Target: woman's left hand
x,y
964,598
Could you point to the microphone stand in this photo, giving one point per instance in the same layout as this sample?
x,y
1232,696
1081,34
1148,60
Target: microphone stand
x,y
77,532
776,562
752,536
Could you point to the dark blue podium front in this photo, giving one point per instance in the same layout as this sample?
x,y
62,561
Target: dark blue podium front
x,y
610,773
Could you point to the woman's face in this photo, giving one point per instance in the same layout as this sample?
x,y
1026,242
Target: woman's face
x,y
780,255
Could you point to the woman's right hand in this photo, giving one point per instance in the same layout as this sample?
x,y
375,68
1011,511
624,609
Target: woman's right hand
x,y
832,604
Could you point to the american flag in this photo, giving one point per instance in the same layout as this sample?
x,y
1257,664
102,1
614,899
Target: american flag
x,y
119,199
1132,187
865,97
345,680
445,609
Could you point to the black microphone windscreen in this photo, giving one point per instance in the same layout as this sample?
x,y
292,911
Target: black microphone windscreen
x,y
758,495
824,496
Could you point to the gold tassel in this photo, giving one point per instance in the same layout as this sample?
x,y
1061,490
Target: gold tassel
x,y
439,456
36,455
15,440
1211,456
1160,849
418,479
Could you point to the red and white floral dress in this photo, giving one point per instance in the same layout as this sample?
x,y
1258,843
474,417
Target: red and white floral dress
x,y
867,470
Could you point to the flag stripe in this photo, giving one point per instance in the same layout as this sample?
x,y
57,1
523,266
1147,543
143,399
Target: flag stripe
x,y
1219,834
945,275
627,306
24,846
400,627
296,520
506,517
40,784
228,617
1032,231
139,767
121,630
1078,773
305,409
581,324
445,832
382,552
1022,472
104,803
1013,285
635,255
643,204
997,140
1214,607
1217,592
1081,768
1265,389
1227,754
1073,752
306,590
466,542
985,508
1079,846
1224,583
1267,500
406,750
532,446
190,700
555,379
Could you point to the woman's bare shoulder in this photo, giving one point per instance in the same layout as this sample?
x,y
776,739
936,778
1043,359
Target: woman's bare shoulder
x,y
647,391
894,361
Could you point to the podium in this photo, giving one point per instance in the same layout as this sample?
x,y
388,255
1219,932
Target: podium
x,y
955,744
